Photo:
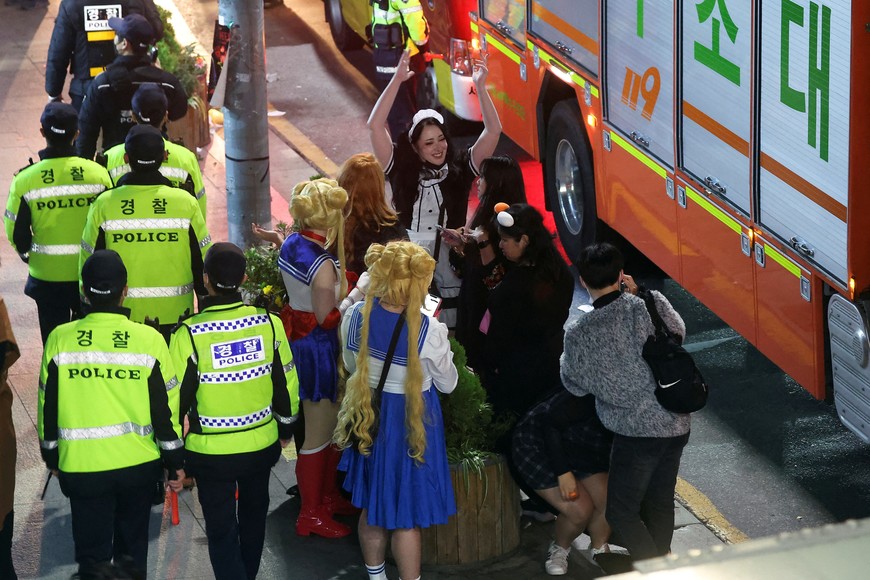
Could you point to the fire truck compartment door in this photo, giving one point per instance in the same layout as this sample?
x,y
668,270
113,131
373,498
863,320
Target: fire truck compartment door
x,y
805,114
639,73
717,98
570,27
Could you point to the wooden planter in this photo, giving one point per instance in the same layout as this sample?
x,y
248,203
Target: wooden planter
x,y
487,522
192,130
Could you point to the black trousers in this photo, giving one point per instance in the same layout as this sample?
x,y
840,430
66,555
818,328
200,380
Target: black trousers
x,y
56,303
235,533
235,537
112,525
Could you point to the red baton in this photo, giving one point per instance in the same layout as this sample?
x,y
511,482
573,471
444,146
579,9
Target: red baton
x,y
173,504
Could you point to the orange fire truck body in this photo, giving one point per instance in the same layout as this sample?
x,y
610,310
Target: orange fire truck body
x,y
722,139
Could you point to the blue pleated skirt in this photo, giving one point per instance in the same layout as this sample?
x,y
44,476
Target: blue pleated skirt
x,y
398,492
316,359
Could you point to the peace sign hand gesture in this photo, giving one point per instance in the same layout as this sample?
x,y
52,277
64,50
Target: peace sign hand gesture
x,y
480,71
403,68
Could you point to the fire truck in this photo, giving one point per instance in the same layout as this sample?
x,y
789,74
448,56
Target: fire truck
x,y
446,84
722,139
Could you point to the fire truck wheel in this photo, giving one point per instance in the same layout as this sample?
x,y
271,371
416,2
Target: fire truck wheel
x,y
568,178
342,34
427,90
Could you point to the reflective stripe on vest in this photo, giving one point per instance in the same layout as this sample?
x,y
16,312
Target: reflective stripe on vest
x,y
107,432
87,247
146,224
205,241
108,358
282,419
160,291
288,367
168,172
54,250
228,325
63,191
9,215
237,376
234,422
174,173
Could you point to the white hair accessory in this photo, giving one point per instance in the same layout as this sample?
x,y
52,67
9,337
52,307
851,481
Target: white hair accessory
x,y
424,114
505,219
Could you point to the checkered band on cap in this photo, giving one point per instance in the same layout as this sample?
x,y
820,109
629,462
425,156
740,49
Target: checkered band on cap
x,y
227,325
237,376
233,422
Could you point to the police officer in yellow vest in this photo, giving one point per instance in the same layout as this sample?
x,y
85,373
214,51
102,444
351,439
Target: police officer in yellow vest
x,y
398,25
46,212
181,166
108,419
240,391
157,229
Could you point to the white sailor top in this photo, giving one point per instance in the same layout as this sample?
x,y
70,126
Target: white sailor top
x,y
299,261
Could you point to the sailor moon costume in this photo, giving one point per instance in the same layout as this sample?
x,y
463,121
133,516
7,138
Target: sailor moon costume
x,y
314,346
397,491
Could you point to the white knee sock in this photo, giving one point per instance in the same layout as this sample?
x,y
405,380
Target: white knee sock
x,y
378,572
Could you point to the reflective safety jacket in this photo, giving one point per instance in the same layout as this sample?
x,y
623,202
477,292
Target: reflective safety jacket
x,y
46,212
159,232
238,382
83,42
108,396
181,168
396,25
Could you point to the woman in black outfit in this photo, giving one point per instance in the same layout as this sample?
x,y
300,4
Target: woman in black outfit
x,y
525,314
474,249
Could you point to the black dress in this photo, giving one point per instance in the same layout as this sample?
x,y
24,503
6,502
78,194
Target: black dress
x,y
523,344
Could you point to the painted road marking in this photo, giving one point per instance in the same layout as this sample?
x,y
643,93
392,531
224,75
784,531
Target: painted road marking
x,y
284,129
702,508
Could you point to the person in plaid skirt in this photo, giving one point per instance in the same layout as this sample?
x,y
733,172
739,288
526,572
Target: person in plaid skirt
x,y
561,450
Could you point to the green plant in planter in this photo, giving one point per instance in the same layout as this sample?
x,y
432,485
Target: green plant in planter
x,y
182,61
264,285
470,428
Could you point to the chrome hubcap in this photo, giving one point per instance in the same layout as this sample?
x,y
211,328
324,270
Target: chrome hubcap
x,y
568,192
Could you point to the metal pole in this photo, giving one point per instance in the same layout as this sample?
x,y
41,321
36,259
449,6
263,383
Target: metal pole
x,y
246,126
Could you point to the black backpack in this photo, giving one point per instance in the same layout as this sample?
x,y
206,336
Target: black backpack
x,y
680,388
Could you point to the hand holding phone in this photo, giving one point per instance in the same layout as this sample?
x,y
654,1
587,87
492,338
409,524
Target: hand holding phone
x,y
452,237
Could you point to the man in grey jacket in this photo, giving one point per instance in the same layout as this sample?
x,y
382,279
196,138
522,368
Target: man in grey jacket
x,y
602,356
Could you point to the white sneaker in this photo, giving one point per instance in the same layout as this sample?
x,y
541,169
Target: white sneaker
x,y
557,560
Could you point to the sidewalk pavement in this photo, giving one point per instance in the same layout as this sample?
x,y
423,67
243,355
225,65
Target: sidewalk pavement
x,y
42,542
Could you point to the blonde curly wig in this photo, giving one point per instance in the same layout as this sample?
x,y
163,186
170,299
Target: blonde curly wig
x,y
319,205
400,273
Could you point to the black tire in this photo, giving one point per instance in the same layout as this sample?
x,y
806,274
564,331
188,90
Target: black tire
x,y
342,34
427,90
569,178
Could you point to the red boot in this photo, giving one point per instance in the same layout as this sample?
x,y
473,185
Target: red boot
x,y
333,501
313,519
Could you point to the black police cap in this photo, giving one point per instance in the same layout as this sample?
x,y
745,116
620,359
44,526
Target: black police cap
x,y
225,265
104,275
150,103
134,28
145,147
59,119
